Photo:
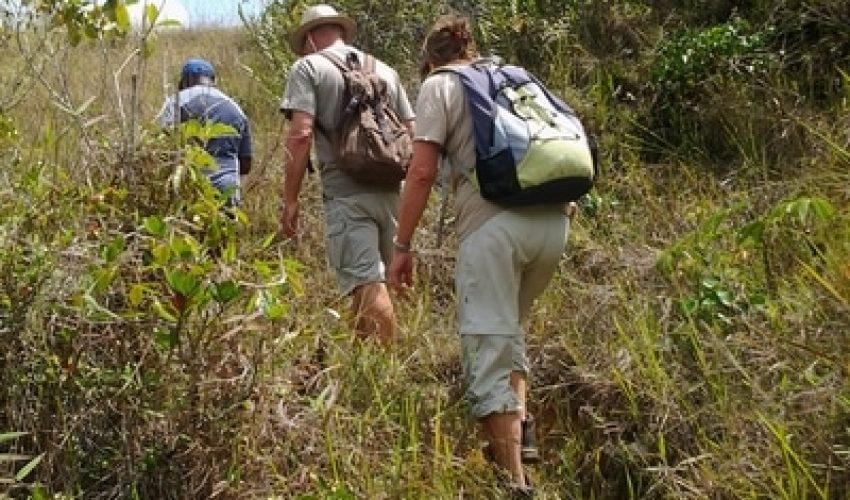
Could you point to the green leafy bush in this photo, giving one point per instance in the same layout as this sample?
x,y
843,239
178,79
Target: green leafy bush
x,y
684,63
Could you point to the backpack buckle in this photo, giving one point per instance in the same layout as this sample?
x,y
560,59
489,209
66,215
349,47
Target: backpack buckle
x,y
352,61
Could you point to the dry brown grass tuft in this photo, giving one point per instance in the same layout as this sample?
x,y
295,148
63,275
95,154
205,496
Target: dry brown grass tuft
x,y
675,355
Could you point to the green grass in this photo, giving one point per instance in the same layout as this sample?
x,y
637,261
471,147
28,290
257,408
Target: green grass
x,y
692,345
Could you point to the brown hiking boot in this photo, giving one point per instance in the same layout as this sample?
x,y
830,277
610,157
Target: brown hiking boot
x,y
529,452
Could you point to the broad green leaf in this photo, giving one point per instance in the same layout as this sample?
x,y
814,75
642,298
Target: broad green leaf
x,y
752,234
228,252
166,339
263,268
201,158
155,225
151,13
276,310
219,130
103,277
823,209
137,294
38,492
192,129
161,254
182,282
122,16
111,250
757,300
226,291
185,247
799,209
689,306
713,223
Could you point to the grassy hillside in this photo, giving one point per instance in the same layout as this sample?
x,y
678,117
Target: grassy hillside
x,y
694,343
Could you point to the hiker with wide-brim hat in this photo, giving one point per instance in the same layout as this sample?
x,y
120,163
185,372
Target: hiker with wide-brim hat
x,y
316,16
359,217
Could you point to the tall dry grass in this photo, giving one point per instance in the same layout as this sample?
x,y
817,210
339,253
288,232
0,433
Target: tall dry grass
x,y
692,345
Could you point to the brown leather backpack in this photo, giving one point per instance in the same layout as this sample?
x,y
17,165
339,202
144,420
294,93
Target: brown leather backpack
x,y
370,143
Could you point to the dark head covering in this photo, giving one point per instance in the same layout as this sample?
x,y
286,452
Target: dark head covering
x,y
197,67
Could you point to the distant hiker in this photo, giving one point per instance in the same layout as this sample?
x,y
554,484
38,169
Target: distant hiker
x,y
360,216
198,98
505,260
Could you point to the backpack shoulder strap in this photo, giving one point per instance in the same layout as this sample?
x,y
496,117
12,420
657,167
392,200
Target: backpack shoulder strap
x,y
479,87
336,60
351,61
488,62
344,68
369,63
444,69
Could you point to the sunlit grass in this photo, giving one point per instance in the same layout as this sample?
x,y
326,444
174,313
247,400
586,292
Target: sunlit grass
x,y
672,357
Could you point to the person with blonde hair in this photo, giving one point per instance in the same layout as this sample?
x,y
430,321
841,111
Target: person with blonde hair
x,y
506,256
360,217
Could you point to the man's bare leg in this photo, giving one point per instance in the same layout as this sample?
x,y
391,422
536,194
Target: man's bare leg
x,y
504,431
519,384
373,312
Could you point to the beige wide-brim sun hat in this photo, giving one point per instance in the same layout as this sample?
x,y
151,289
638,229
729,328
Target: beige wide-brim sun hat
x,y
318,15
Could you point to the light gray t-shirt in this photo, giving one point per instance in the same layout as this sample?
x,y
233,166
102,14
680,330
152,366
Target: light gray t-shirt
x,y
442,117
315,86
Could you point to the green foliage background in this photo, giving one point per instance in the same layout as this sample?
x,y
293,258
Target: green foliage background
x,y
693,344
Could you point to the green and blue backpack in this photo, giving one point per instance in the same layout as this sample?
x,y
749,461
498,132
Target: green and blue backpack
x,y
530,147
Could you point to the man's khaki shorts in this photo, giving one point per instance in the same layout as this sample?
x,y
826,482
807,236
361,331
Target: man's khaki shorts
x,y
359,237
502,267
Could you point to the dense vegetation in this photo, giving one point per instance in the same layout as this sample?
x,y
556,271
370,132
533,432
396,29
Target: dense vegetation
x,y
694,344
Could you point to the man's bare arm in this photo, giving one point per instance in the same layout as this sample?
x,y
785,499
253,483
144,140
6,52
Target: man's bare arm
x,y
299,137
